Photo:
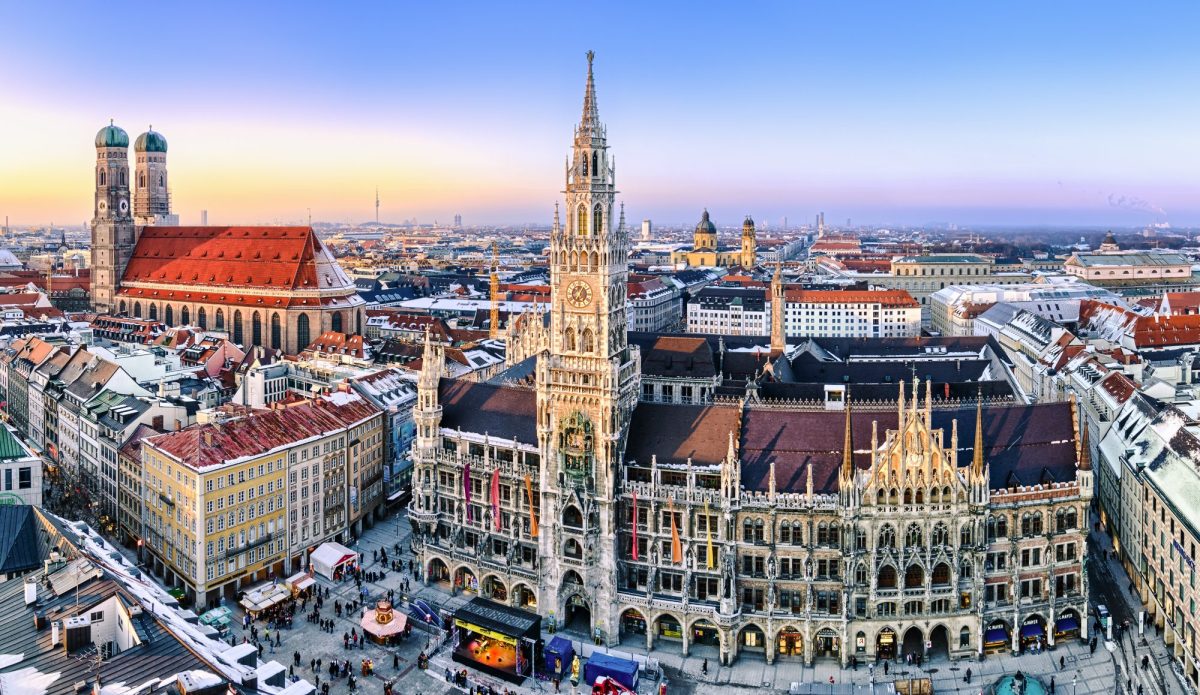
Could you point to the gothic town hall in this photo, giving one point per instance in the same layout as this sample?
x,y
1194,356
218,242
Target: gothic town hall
x,y
738,517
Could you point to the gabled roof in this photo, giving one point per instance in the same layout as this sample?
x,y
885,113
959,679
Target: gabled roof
x,y
20,544
507,412
273,258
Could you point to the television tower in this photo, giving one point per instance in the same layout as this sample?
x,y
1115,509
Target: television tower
x,y
377,205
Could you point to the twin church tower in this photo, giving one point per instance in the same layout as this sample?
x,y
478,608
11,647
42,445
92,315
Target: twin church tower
x,y
118,220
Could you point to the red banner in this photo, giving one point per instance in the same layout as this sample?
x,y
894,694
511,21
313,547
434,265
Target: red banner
x,y
496,497
635,515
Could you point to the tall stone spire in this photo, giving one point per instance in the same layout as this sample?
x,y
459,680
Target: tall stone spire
x,y
977,460
590,122
778,334
494,295
848,446
1085,452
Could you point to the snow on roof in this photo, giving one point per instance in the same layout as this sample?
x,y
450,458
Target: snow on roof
x,y
27,681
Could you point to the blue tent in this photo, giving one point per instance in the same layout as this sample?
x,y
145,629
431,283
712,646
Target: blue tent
x,y
622,671
559,650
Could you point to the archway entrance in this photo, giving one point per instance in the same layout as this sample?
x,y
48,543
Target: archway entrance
x,y
940,639
752,640
914,642
526,597
828,645
667,627
790,643
704,640
633,627
494,589
1067,626
1033,632
577,617
885,644
996,637
439,572
465,580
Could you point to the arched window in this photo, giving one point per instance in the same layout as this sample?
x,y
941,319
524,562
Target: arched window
x,y
966,536
237,327
595,168
121,309
941,535
785,531
202,318
123,181
161,183
835,535
894,498
759,532
581,221
337,322
860,574
908,496
1072,518
184,316
569,338
276,332
256,329
220,319
860,539
920,499
137,310
141,180
964,637
103,178
153,312
572,517
887,577
586,343
913,538
964,570
585,165
914,577
597,219
169,316
941,574
822,533
887,537
302,338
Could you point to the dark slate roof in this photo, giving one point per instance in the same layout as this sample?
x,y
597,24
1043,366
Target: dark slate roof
x,y
810,391
20,544
499,617
508,412
807,368
675,433
897,348
1026,445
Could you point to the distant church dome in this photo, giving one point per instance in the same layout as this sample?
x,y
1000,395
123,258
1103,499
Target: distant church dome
x,y
1109,239
112,136
749,222
150,141
706,226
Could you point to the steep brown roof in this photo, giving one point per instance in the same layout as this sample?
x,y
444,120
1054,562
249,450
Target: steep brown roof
x,y
678,356
507,412
675,433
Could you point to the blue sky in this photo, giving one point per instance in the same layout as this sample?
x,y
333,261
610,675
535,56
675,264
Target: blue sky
x,y
1009,113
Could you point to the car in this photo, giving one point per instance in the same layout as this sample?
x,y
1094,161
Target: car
x,y
1103,614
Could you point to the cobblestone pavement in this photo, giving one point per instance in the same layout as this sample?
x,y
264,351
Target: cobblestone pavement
x,y
1082,672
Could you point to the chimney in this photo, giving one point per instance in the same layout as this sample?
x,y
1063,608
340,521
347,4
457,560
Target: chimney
x,y
30,592
208,439
157,422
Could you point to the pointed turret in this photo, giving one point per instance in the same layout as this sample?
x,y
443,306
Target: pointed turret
x,y
590,122
847,447
494,292
778,337
977,460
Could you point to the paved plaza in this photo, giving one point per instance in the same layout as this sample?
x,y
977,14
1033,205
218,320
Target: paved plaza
x,y
1108,670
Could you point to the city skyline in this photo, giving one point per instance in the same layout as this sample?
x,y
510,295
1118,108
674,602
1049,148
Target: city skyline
x,y
976,116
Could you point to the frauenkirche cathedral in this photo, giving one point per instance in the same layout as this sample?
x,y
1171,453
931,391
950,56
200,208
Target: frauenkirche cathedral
x,y
761,527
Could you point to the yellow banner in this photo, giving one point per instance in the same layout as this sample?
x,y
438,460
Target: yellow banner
x,y
506,639
533,530
708,525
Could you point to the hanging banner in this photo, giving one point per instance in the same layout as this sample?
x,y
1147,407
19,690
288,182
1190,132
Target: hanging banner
x,y
496,497
708,525
676,546
467,488
533,530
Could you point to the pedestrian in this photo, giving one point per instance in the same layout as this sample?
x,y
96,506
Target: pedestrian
x,y
396,660
885,668
1051,685
1062,662
296,657
968,678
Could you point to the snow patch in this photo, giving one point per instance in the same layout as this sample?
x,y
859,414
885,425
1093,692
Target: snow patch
x,y
27,681
7,660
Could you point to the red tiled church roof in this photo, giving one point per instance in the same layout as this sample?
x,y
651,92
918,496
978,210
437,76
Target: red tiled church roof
x,y
271,259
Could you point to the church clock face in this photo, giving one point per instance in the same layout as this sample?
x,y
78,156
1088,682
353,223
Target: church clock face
x,y
103,206
579,294
124,206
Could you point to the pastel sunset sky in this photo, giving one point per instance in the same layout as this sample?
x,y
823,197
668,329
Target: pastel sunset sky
x,y
967,112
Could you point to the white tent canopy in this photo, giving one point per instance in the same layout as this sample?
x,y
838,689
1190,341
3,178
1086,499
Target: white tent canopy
x,y
329,556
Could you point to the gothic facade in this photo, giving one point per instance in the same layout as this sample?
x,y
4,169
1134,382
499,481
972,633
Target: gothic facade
x,y
745,526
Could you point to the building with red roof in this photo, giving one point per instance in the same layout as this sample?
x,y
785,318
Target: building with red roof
x,y
278,287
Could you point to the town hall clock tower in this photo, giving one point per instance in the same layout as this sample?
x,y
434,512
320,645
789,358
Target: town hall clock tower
x,y
587,386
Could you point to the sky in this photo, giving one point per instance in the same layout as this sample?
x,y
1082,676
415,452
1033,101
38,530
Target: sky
x,y
1015,113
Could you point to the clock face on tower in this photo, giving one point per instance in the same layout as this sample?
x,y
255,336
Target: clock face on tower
x,y
579,294
124,206
103,206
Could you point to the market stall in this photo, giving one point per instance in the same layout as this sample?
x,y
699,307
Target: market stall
x,y
331,559
559,653
265,597
299,582
218,618
382,623
622,671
